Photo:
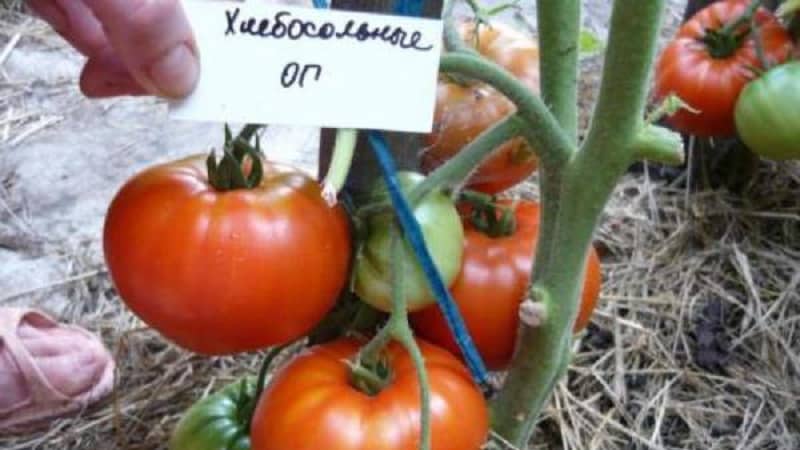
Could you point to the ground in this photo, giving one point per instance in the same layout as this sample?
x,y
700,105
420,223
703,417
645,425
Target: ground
x,y
696,343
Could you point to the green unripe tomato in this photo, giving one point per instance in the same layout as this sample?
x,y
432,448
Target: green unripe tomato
x,y
219,421
768,113
444,237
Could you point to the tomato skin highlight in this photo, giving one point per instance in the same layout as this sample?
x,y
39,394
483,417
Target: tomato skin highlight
x,y
226,272
464,112
310,404
767,113
712,85
216,422
491,286
443,235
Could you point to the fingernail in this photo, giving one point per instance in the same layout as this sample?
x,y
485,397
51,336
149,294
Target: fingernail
x,y
176,72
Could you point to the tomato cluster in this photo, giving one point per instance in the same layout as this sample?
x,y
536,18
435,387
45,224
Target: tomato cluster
x,y
244,254
730,65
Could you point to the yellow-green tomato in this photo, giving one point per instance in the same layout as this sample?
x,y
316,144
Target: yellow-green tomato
x,y
768,113
444,237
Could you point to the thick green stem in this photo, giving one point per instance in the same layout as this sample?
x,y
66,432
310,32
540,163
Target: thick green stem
x,y
457,169
577,195
549,141
559,23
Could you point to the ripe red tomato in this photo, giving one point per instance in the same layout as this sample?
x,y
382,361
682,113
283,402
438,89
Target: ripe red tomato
x,y
311,404
493,282
226,272
464,112
710,77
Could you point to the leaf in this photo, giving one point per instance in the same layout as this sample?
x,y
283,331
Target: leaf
x,y
589,43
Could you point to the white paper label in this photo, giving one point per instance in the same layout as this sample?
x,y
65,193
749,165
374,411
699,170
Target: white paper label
x,y
275,64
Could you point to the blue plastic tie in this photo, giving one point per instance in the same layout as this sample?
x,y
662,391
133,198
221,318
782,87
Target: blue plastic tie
x,y
413,231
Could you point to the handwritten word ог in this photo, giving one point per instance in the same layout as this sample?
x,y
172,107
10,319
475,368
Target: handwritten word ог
x,y
284,26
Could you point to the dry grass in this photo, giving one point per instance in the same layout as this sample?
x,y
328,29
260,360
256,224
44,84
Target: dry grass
x,y
696,344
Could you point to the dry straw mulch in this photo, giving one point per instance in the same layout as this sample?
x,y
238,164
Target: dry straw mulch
x,y
696,343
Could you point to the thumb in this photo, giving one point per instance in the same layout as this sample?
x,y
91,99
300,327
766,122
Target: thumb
x,y
154,40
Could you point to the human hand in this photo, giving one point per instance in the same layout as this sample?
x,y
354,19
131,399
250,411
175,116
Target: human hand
x,y
134,47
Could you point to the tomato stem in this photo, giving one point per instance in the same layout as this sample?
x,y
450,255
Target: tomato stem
x,y
758,42
452,39
261,381
559,25
659,144
542,130
458,168
744,19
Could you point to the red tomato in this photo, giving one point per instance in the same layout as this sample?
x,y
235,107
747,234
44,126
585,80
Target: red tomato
x,y
710,79
311,404
226,272
464,112
493,282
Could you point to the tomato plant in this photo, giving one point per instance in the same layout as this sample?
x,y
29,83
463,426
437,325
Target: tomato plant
x,y
220,421
312,404
442,232
493,282
465,110
707,65
767,113
222,271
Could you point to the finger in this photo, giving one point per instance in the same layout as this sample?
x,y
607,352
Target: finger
x,y
74,21
105,75
154,40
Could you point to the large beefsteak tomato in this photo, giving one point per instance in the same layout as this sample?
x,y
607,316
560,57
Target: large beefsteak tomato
x,y
465,111
708,71
492,284
311,404
221,272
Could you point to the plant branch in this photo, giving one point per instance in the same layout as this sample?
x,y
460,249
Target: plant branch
x,y
452,39
659,144
559,31
548,139
573,200
623,92
458,168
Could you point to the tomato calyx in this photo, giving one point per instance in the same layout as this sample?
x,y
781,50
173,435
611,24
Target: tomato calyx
x,y
241,166
488,216
726,41
370,377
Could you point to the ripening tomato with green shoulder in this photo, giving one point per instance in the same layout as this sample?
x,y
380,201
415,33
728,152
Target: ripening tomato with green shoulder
x,y
768,113
220,421
464,110
492,284
708,66
218,267
313,403
443,234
